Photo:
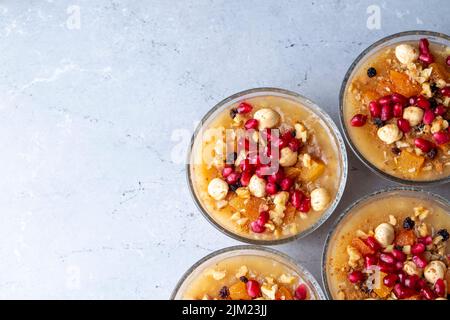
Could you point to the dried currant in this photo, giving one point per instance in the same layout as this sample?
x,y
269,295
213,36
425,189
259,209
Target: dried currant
x,y
371,72
408,223
444,234
224,292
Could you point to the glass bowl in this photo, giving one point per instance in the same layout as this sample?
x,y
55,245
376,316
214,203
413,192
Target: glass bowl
x,y
246,250
346,217
433,37
258,92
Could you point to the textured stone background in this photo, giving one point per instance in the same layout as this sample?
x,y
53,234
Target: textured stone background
x,y
97,101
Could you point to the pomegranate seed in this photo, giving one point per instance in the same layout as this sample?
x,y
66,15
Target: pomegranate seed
x,y
375,109
233,178
259,171
428,116
412,101
282,143
447,61
301,292
296,198
358,120
227,171
243,144
425,240
386,112
398,98
441,137
256,227
403,125
263,217
446,91
423,144
426,58
439,288
424,50
287,136
423,103
276,177
417,248
253,288
427,293
251,124
286,184
245,166
402,277
305,206
411,281
244,107
355,276
294,145
271,188
401,292
370,260
398,110
398,255
387,258
398,266
421,283
385,100
424,45
373,243
440,110
390,280
386,268
245,178
420,261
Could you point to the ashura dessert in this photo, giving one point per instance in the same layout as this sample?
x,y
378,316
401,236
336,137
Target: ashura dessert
x,y
269,168
396,110
393,247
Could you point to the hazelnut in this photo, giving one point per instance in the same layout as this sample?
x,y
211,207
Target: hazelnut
x,y
434,270
389,133
218,189
385,234
411,269
257,186
406,53
288,157
319,199
267,118
414,115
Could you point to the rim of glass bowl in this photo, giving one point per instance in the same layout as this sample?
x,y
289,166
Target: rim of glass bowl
x,y
283,258
361,201
389,40
342,155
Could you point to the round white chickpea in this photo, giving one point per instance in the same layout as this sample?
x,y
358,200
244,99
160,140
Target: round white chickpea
x,y
319,199
413,114
218,189
385,234
389,133
406,53
257,186
267,118
410,269
288,157
434,270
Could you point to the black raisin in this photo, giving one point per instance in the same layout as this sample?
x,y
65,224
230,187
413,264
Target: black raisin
x,y
434,88
293,133
371,72
243,279
233,113
432,153
235,186
433,103
396,151
224,292
408,223
378,122
444,234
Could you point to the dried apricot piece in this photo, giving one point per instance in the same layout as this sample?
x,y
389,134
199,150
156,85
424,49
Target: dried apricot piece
x,y
439,72
362,247
238,291
403,84
289,214
405,238
312,172
292,172
410,164
382,291
283,293
252,208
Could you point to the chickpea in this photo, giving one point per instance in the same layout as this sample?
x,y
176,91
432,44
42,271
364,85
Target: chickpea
x,y
434,270
319,199
413,114
385,234
411,269
267,118
389,133
218,189
257,186
406,53
288,157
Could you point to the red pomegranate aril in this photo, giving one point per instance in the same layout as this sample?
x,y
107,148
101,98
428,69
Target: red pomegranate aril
x,y
301,292
417,248
412,101
287,136
447,61
375,109
253,288
423,103
425,240
256,227
440,110
401,292
404,125
424,45
305,206
358,120
423,144
398,98
390,280
245,165
387,258
294,145
373,243
370,260
421,283
428,116
296,198
398,110
385,267
233,178
227,171
277,176
439,288
398,266
385,100
427,293
244,107
386,112
420,261
251,124
271,188
286,184
441,137
427,58
263,218
245,178
411,281
402,277
261,170
355,276
398,255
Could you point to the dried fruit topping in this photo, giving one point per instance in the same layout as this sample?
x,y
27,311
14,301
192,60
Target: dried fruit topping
x,y
224,292
371,72
243,279
408,223
444,234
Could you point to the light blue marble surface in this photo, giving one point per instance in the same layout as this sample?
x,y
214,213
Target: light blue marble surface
x,y
93,197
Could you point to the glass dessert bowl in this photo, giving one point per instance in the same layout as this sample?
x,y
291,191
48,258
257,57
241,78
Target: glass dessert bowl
x,y
392,244
266,166
247,273
395,107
